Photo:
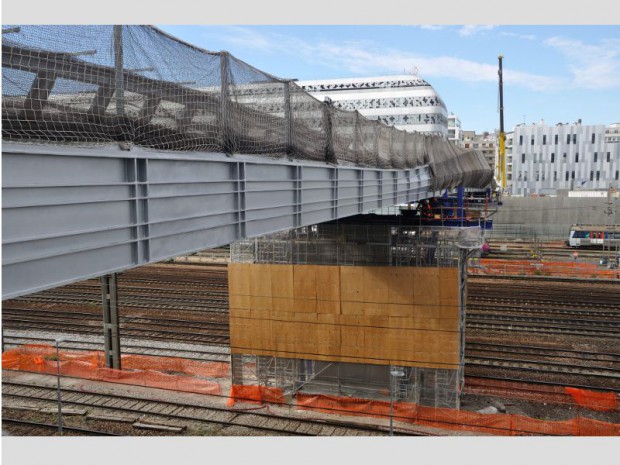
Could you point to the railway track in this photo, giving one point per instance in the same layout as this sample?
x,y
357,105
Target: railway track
x,y
269,423
188,304
195,353
18,427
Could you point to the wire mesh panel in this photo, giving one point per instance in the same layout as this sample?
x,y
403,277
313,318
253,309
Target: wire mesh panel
x,y
137,85
359,244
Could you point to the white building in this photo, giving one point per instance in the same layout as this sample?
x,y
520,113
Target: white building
x,y
403,101
543,159
455,133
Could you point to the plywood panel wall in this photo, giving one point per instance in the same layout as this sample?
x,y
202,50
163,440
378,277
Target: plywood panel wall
x,y
359,314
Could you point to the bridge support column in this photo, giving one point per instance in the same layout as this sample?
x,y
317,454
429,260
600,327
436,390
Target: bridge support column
x,y
460,203
111,334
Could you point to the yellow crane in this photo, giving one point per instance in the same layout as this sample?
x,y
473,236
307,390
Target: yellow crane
x,y
501,162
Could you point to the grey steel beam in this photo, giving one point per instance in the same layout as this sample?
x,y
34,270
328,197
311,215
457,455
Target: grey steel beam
x,y
75,213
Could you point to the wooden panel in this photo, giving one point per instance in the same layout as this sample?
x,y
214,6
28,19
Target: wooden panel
x,y
281,281
304,282
260,280
239,278
377,315
350,279
328,283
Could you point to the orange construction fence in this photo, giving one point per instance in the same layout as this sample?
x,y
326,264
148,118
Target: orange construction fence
x,y
161,372
255,395
443,418
491,266
601,401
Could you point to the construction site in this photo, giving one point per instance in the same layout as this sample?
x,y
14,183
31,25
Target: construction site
x,y
194,247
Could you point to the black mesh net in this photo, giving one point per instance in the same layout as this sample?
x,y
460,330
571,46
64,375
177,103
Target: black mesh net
x,y
137,85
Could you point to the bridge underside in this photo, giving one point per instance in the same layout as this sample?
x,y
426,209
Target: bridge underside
x,y
74,213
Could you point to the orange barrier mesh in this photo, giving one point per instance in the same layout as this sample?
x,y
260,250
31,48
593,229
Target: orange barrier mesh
x,y
601,401
444,418
491,266
140,370
255,395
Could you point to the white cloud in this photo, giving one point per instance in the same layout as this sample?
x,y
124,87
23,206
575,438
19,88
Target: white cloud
x,y
518,36
471,29
366,58
591,66
432,27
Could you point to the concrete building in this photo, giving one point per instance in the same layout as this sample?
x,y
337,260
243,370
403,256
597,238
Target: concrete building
x,y
403,101
455,133
486,142
546,158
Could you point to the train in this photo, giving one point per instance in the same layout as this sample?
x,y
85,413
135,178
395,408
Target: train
x,y
594,235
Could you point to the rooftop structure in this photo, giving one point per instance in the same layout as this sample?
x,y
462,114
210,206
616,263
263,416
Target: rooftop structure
x,y
404,101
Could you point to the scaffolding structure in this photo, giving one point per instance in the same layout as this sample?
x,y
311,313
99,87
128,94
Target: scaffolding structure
x,y
360,245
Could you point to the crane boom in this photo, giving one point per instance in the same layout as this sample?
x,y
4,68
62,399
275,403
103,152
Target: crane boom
x,y
502,135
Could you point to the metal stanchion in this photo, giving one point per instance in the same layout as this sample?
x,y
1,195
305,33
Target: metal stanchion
x,y
58,341
393,374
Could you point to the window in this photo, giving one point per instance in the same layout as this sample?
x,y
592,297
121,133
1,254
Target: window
x,y
568,138
556,139
520,140
595,156
532,141
522,158
617,172
598,175
577,157
552,157
520,176
537,175
564,154
543,176
555,175
567,175
534,157
609,157
593,137
572,175
525,175
541,157
574,138
591,175
544,139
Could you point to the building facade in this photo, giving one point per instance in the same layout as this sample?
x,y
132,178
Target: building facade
x,y
486,142
403,101
543,159
455,133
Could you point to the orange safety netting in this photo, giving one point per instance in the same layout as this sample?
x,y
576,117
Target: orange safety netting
x,y
601,401
492,266
138,370
444,418
255,394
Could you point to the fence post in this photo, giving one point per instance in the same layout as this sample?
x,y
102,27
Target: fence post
x,y
288,119
330,156
118,75
225,122
355,135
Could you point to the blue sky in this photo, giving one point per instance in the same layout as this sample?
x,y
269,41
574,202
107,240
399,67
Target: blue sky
x,y
555,73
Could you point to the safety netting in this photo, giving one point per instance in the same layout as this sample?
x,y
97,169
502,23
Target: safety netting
x,y
503,267
137,85
140,370
437,417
